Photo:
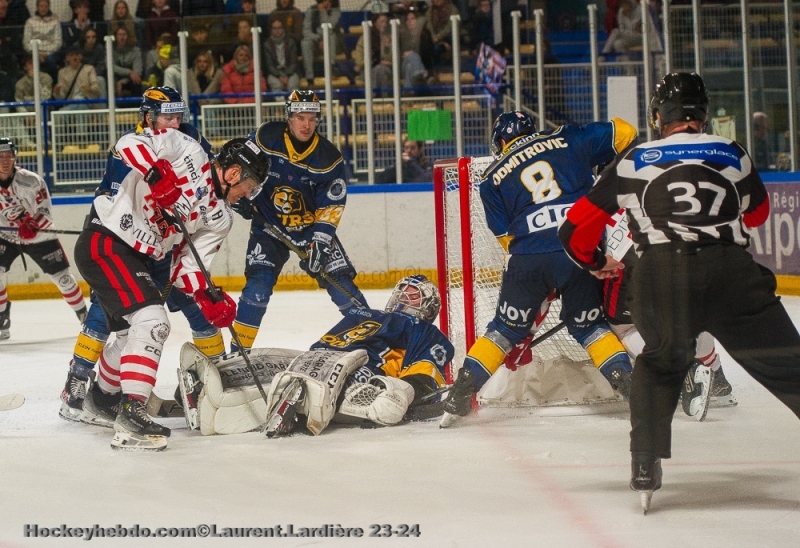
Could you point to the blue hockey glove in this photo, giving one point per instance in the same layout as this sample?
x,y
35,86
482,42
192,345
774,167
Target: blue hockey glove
x,y
318,251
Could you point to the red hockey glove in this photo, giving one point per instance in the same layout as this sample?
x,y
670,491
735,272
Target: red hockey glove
x,y
219,313
28,229
163,183
521,354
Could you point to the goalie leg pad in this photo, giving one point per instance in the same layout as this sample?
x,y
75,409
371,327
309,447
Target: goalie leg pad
x,y
324,373
384,400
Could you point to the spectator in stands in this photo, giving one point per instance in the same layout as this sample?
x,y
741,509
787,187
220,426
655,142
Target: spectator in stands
x,y
205,77
248,7
416,46
76,81
151,57
10,46
155,74
238,76
610,20
628,34
44,26
281,59
24,90
127,66
441,29
94,53
381,55
762,150
416,167
481,26
16,15
312,44
72,31
122,18
197,42
162,18
291,17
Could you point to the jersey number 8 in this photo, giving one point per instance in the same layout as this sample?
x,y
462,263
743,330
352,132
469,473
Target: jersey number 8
x,y
539,179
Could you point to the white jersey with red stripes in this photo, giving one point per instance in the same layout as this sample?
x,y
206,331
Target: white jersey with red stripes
x,y
133,215
26,195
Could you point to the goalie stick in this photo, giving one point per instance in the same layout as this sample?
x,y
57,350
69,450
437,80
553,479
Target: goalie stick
x,y
45,230
157,407
216,295
11,401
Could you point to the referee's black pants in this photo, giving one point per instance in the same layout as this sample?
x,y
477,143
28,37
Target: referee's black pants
x,y
679,292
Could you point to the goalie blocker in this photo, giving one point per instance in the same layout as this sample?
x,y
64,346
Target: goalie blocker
x,y
220,396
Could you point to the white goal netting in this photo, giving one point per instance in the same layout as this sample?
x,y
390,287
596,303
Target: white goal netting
x,y
470,265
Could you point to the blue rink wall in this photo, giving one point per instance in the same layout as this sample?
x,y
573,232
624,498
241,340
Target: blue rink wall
x,y
388,232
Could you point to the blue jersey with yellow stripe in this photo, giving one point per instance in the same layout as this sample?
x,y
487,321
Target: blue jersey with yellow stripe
x,y
306,191
527,192
398,345
117,170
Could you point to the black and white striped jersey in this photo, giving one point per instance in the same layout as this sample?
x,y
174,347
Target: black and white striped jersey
x,y
687,188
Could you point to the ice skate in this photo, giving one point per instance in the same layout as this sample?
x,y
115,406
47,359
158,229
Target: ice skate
x,y
99,408
189,387
646,477
621,382
72,398
282,417
81,314
5,322
134,431
696,391
458,402
721,391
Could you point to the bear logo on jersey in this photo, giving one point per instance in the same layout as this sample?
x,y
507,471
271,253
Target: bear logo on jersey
x,y
355,334
291,207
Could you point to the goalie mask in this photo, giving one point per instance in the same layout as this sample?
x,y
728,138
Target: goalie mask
x,y
417,296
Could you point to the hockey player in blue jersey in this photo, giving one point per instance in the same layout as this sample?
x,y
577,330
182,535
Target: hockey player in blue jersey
x,y
161,107
526,193
303,199
401,357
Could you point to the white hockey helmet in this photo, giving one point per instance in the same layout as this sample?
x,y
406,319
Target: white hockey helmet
x,y
417,296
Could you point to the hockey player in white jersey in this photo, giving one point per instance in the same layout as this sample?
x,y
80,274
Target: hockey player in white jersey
x,y
25,211
172,186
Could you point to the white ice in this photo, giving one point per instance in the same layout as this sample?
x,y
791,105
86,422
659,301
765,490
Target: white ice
x,y
507,479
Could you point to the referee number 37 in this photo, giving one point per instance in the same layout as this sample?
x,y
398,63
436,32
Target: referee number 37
x,y
385,530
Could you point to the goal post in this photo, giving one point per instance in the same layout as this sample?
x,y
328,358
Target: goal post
x,y
470,263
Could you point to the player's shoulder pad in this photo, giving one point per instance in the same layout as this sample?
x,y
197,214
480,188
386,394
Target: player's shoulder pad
x,y
269,136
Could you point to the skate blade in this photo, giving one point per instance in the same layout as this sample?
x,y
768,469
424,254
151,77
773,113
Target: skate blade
x,y
69,414
645,497
96,420
723,401
128,441
448,419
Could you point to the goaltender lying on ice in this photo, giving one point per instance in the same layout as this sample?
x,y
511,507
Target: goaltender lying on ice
x,y
220,397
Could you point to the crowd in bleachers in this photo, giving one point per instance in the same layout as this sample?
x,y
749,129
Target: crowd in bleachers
x,y
72,56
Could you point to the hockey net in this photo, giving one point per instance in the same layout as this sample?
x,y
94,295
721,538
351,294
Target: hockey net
x,y
470,265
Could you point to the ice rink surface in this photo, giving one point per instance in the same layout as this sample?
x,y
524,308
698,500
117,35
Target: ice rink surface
x,y
499,479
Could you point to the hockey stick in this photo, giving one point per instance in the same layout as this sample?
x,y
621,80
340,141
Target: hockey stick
x,y
45,230
442,389
157,407
275,233
215,294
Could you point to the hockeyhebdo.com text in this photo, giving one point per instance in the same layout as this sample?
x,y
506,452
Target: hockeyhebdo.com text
x,y
379,530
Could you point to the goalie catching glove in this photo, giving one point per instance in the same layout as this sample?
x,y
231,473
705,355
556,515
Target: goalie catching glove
x,y
164,184
382,400
220,310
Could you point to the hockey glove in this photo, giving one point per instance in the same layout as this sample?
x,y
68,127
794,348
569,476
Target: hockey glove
x,y
219,313
28,229
318,252
243,207
164,184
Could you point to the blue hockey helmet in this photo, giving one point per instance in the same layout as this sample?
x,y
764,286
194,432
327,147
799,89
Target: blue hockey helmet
x,y
161,100
507,127
417,296
303,101
679,96
249,156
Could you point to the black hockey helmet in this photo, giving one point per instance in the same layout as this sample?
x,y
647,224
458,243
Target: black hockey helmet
x,y
303,101
249,156
679,96
415,295
6,145
161,100
507,127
